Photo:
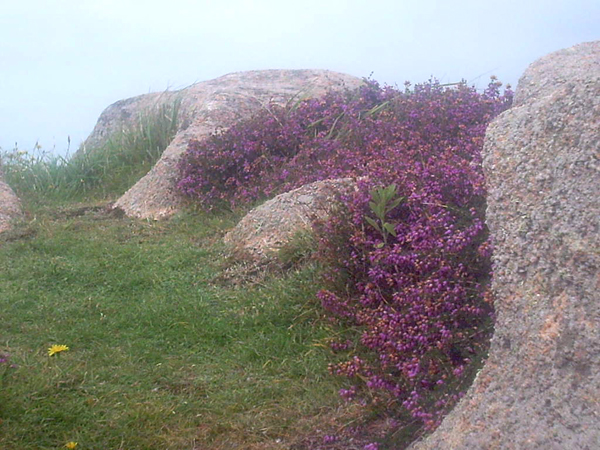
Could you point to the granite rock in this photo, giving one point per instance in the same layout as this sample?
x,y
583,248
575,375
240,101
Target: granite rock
x,y
269,227
205,107
10,206
539,388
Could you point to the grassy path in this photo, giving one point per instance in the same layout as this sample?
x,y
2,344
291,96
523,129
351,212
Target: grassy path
x,y
159,357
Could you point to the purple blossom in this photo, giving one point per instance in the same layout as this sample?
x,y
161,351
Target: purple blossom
x,y
329,439
420,299
348,394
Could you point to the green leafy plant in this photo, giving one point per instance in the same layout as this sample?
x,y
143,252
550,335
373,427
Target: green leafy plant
x,y
383,201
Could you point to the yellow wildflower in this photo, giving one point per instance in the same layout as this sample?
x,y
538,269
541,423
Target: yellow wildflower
x,y
71,445
57,349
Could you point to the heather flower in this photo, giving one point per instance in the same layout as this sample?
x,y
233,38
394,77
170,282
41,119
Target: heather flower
x,y
410,275
329,439
54,349
339,346
348,394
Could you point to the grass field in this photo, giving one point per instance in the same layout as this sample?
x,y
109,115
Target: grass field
x,y
165,349
161,356
163,352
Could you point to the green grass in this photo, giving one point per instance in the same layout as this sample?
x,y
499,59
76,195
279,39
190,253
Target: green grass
x,y
99,173
168,348
160,357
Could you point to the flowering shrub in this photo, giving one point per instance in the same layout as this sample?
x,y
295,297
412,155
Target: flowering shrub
x,y
283,148
347,133
408,256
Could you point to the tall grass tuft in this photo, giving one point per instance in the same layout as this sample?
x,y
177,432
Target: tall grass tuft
x,y
96,173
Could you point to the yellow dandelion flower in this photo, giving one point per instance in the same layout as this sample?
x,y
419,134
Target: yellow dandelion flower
x,y
57,349
71,445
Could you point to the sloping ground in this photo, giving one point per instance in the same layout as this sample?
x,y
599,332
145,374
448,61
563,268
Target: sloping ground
x,y
205,107
159,357
539,388
10,207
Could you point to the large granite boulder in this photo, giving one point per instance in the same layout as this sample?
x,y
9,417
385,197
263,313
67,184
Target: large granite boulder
x,y
266,229
540,387
10,207
125,114
205,106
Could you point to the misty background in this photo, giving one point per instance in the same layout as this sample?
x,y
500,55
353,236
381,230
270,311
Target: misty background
x,y
63,61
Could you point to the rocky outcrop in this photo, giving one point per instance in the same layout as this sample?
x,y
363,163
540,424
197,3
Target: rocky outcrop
x,y
266,229
539,388
206,106
125,114
10,206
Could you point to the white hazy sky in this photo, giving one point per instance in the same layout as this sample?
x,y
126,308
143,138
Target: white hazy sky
x,y
63,61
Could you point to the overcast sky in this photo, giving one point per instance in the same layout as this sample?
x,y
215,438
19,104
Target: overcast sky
x,y
63,61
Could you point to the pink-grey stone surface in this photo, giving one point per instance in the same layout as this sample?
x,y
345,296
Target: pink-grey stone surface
x,y
206,106
540,387
267,228
10,206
